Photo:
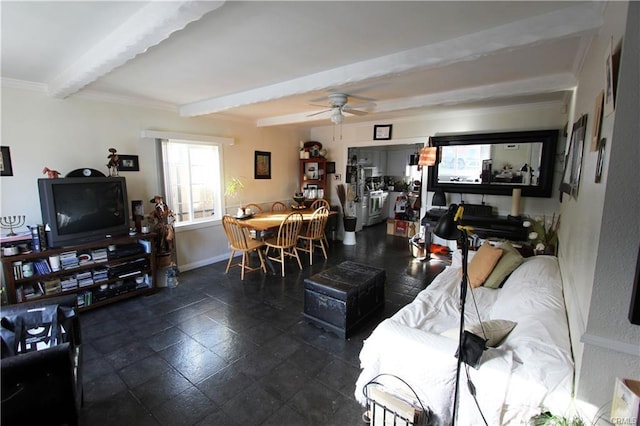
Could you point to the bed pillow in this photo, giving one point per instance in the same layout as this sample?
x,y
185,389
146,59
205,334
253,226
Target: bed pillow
x,y
509,261
483,263
494,330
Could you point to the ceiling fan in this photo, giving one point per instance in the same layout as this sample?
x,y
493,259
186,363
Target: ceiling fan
x,y
338,105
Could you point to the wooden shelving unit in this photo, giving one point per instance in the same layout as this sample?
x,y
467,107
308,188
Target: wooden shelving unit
x,y
313,175
119,283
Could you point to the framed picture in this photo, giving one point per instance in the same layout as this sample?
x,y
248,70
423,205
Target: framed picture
x,y
128,163
331,167
609,101
5,162
382,132
599,165
262,165
573,159
597,121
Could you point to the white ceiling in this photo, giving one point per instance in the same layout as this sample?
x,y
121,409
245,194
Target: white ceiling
x,y
265,61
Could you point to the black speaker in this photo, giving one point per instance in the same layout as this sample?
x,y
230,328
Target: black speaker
x,y
634,309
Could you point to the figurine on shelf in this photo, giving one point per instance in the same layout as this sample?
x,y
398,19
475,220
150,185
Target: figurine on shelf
x,y
114,162
162,219
51,174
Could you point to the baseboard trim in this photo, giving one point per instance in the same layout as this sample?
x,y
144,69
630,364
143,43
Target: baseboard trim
x,y
614,345
203,262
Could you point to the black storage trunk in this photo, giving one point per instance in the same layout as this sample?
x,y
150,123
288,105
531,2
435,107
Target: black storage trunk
x,y
339,298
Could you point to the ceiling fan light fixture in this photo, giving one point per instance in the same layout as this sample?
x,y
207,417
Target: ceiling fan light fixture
x,y
337,117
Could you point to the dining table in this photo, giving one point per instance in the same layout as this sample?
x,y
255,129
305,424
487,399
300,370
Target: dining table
x,y
265,221
263,224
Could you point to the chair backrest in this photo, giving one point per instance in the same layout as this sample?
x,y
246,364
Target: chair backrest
x,y
236,234
278,206
254,208
320,202
289,230
318,223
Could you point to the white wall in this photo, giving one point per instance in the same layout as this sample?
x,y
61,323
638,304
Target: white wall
x,y
600,232
76,133
418,129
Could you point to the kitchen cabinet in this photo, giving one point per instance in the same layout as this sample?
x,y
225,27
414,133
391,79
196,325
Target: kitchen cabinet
x,y
397,162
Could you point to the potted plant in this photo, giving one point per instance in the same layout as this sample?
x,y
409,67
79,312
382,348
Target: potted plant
x,y
233,190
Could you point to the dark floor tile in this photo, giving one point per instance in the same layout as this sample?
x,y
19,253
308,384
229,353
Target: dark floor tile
x,y
287,416
225,384
161,388
284,381
234,348
122,409
316,402
103,388
339,376
144,370
128,354
166,338
218,351
199,367
309,359
186,408
251,407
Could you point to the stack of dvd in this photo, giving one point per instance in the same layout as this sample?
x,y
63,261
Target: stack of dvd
x,y
69,259
99,255
84,278
69,283
100,274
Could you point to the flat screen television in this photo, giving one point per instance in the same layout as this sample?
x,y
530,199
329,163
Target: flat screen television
x,y
79,210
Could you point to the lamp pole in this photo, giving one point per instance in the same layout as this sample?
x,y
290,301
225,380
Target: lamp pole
x,y
464,242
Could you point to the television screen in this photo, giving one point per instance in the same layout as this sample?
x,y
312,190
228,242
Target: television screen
x,y
79,210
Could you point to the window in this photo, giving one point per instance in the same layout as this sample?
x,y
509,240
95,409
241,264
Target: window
x,y
193,180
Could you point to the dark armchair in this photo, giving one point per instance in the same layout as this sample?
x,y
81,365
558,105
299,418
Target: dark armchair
x,y
45,386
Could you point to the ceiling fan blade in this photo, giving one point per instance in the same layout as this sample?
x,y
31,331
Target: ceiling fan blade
x,y
318,112
353,111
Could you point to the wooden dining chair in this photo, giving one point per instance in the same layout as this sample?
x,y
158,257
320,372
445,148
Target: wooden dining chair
x,y
278,206
286,240
321,202
240,240
254,208
313,234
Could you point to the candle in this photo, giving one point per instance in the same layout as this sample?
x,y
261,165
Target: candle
x,y
515,202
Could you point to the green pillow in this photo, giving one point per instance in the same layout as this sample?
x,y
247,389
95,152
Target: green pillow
x,y
510,260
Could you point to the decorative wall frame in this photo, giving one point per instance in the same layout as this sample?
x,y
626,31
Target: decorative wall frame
x,y
573,159
6,169
382,132
597,121
262,165
600,164
128,163
331,167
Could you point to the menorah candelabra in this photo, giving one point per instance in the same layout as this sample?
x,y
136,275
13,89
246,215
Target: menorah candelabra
x,y
10,222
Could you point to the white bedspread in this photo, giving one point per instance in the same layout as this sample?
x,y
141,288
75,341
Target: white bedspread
x,y
531,368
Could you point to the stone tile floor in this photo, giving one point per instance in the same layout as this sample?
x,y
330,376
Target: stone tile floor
x,y
219,351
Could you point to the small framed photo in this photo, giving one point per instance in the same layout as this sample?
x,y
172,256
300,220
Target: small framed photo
x,y
128,163
5,162
262,168
331,167
600,164
382,132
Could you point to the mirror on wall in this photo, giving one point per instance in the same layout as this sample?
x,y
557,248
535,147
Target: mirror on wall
x,y
495,163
